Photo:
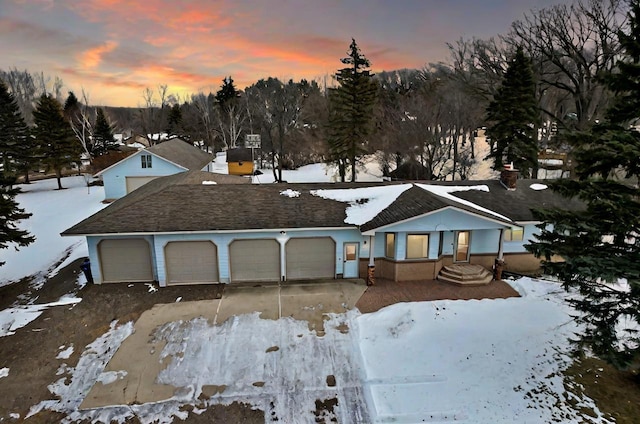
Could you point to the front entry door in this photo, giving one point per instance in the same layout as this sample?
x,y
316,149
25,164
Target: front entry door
x,y
463,239
351,259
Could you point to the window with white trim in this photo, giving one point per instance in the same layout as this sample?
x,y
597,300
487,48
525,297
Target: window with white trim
x,y
514,234
146,161
390,245
417,246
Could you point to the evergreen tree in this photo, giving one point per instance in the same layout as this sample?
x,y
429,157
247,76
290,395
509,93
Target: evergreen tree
x,y
56,143
10,214
174,122
229,114
513,118
15,143
71,107
103,140
600,245
351,111
227,93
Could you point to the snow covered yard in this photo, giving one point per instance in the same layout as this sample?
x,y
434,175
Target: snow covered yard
x,y
53,212
487,361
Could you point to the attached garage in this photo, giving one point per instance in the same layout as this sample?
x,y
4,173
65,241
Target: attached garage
x,y
125,260
254,260
137,182
310,258
189,262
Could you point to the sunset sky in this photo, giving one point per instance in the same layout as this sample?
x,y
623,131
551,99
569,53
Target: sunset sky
x,y
115,48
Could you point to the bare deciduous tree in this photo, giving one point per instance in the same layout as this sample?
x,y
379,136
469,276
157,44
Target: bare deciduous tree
x,y
571,46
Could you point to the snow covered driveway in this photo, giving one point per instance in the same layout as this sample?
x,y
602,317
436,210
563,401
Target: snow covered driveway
x,y
292,358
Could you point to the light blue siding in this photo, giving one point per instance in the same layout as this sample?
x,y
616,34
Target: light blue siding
x,y
530,232
434,241
485,234
485,241
482,242
114,179
448,242
444,220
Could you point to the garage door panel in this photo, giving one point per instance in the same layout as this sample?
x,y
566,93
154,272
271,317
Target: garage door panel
x,y
254,260
125,260
191,262
137,182
310,258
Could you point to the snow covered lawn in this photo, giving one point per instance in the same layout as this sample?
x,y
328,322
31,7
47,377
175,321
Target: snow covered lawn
x,y
486,361
53,212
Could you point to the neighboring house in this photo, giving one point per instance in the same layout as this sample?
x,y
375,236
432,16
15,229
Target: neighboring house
x,y
240,161
185,229
167,158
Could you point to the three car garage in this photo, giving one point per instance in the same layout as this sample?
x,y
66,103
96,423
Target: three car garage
x,y
193,262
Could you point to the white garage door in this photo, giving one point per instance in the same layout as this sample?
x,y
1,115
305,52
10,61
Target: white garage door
x,y
310,258
189,262
254,260
137,182
125,260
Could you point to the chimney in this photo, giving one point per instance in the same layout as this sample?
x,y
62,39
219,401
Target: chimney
x,y
508,177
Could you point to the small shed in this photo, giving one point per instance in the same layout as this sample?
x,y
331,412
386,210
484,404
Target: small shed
x,y
240,161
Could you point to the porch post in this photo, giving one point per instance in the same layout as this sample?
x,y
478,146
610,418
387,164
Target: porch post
x,y
371,268
499,264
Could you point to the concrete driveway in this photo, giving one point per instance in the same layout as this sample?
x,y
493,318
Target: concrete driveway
x,y
139,360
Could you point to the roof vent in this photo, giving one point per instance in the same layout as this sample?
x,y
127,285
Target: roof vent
x,y
509,176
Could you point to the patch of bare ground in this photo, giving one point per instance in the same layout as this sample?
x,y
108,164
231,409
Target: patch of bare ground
x,y
616,393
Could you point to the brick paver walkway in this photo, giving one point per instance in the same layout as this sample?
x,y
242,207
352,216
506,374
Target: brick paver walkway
x,y
387,292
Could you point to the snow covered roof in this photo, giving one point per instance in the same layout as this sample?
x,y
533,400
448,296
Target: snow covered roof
x,y
189,205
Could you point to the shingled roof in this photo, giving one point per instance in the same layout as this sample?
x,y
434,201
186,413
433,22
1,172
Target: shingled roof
x,y
181,153
240,154
182,203
518,204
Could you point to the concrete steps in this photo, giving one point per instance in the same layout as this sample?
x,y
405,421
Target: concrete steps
x,y
465,275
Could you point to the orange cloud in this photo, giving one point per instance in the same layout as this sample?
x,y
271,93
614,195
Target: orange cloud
x,y
92,57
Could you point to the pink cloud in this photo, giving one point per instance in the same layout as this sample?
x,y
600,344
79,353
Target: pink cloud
x,y
92,57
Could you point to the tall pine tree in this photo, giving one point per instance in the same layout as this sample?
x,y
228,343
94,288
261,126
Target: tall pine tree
x,y
15,143
103,140
351,111
512,119
174,122
56,144
600,245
